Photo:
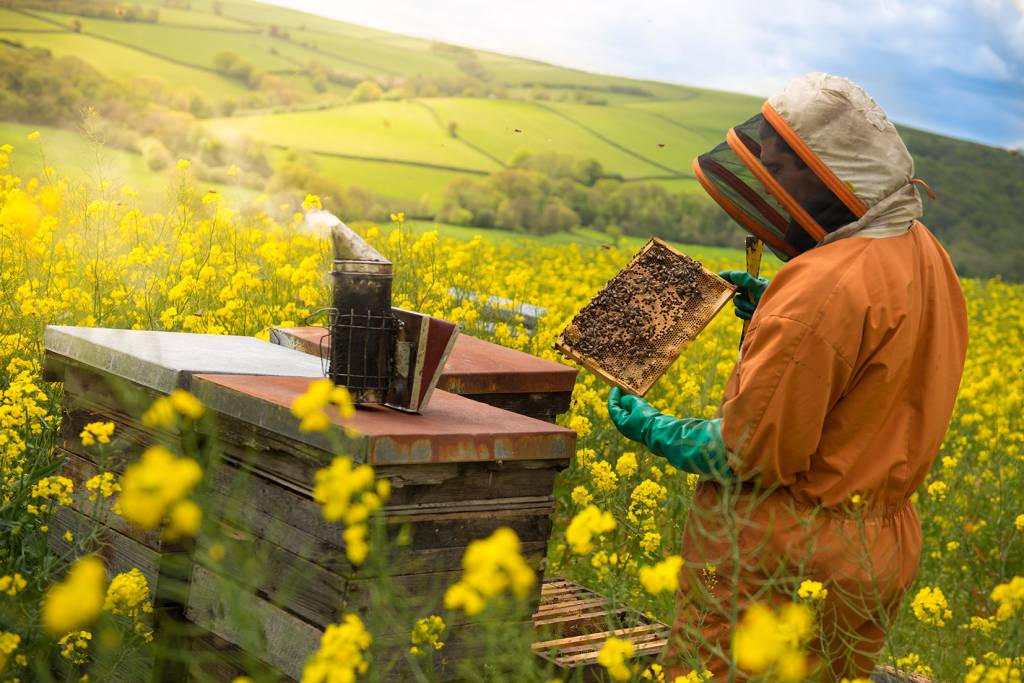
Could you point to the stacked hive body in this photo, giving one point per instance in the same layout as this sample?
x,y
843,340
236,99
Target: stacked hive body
x,y
458,471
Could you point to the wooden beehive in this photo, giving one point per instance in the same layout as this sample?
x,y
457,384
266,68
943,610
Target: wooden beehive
x,y
458,471
632,331
573,623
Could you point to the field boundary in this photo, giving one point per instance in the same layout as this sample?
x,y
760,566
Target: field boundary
x,y
675,123
121,43
386,160
607,140
444,128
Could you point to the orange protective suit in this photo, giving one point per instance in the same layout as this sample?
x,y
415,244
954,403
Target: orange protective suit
x,y
832,418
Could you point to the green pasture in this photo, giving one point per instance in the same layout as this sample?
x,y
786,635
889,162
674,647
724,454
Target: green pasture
x,y
404,131
260,13
708,113
516,71
124,63
400,185
195,46
641,131
503,126
181,17
380,57
688,186
12,19
571,95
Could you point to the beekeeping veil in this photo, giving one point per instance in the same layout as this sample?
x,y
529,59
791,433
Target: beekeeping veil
x,y
842,136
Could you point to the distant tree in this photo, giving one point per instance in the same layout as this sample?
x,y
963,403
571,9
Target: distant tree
x,y
155,154
615,233
556,217
225,61
367,91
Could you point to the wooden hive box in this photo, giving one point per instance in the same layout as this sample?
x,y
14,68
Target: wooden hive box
x,y
458,471
573,623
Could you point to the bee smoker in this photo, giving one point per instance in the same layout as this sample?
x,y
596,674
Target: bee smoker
x,y
362,326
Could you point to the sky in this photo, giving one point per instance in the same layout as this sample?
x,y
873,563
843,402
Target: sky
x,y
951,66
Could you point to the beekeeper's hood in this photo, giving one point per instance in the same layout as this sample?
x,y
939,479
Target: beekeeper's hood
x,y
841,135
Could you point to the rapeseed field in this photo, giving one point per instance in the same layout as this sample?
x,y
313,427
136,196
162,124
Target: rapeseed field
x,y
72,255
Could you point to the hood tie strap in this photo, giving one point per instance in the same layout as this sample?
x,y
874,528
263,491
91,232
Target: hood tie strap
x,y
927,188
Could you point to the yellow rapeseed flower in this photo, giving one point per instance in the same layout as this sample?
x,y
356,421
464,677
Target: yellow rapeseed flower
x,y
103,484
588,523
8,644
54,489
183,520
581,496
128,595
150,486
427,632
491,566
614,656
74,646
768,640
605,480
75,602
97,432
186,404
930,606
651,542
626,465
340,658
812,590
1010,597
662,577
12,584
309,407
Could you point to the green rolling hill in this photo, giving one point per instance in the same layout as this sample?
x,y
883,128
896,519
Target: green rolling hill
x,y
403,117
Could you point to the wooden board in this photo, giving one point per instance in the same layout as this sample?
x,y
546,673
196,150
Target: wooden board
x,y
573,623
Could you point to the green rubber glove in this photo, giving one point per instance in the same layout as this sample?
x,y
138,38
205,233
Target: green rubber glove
x,y
692,445
749,286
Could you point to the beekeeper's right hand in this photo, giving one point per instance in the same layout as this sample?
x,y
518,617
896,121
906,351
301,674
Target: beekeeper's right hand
x,y
750,287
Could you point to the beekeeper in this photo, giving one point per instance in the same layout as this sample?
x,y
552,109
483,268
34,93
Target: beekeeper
x,y
844,389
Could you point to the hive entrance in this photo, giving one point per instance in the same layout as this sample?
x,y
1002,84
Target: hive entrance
x,y
636,327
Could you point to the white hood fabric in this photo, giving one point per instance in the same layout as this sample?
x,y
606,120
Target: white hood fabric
x,y
852,135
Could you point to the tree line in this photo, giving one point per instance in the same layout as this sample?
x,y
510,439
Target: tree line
x,y
542,193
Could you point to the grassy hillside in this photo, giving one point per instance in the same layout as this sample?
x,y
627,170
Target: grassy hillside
x,y
404,131
402,117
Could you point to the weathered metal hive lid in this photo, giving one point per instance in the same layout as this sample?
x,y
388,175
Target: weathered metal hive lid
x,y
165,361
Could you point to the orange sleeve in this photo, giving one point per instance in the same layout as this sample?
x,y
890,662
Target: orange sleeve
x,y
788,380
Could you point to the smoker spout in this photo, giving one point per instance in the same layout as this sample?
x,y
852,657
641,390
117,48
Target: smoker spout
x,y
348,246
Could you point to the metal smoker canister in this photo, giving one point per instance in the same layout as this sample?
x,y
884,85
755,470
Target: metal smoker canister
x,y
362,327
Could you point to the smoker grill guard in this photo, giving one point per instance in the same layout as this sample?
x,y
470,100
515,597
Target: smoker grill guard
x,y
362,329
